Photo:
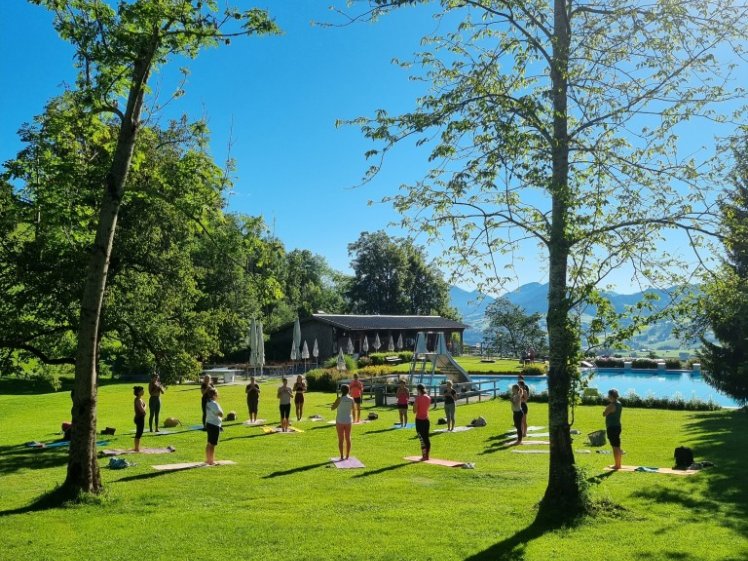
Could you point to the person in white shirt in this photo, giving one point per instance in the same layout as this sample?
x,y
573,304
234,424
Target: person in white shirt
x,y
213,416
344,420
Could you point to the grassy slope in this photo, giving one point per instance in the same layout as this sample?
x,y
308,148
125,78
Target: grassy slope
x,y
282,501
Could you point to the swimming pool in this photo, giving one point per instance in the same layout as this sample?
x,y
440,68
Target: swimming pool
x,y
643,382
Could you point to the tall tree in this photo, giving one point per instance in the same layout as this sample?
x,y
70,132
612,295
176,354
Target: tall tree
x,y
556,121
725,297
511,329
117,51
391,276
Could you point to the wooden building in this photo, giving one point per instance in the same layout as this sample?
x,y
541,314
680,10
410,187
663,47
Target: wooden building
x,y
334,331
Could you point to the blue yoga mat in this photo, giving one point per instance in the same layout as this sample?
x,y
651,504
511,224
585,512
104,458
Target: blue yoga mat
x,y
62,443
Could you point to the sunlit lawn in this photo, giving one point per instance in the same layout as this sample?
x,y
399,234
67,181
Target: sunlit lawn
x,y
282,500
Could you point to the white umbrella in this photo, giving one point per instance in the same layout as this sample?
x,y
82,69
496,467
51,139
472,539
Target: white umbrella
x,y
260,347
421,343
349,347
365,344
305,351
341,360
252,335
315,350
377,342
400,342
296,343
390,344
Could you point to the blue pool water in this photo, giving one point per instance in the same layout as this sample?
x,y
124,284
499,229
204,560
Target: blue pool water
x,y
644,383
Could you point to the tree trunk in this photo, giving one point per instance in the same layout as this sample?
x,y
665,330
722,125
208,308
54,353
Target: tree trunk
x,y
563,495
83,468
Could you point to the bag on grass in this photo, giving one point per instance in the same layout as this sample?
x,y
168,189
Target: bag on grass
x,y
683,457
373,416
118,463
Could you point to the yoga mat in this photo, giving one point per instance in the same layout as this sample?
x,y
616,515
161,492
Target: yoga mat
x,y
531,451
277,430
434,461
257,423
537,435
456,429
407,426
60,444
644,469
190,465
350,463
118,452
534,442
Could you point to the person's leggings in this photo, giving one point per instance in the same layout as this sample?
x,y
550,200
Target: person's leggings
x,y
517,416
449,411
154,404
422,428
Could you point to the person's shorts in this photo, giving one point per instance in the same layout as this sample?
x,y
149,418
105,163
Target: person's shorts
x,y
614,436
285,410
357,400
523,405
298,398
253,405
213,432
402,406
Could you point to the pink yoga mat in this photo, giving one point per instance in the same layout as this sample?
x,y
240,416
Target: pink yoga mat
x,y
435,461
666,471
350,463
189,465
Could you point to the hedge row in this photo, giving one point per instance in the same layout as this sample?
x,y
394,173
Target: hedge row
x,y
642,363
634,400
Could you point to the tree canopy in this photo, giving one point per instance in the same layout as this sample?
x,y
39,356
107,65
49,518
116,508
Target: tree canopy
x,y
556,123
510,330
391,276
725,297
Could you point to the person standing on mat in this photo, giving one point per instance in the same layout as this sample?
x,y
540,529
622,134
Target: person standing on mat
x,y
517,413
450,399
525,397
298,399
213,416
139,419
253,399
155,389
421,407
344,420
204,387
284,398
357,391
403,396
613,427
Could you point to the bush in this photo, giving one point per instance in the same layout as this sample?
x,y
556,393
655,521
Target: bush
x,y
644,363
533,370
350,363
324,379
364,361
633,400
378,359
673,364
608,363
374,371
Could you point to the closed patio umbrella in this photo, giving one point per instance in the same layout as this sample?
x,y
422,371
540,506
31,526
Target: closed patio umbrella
x,y
349,347
441,345
315,350
341,360
377,342
260,347
365,344
400,342
390,344
296,343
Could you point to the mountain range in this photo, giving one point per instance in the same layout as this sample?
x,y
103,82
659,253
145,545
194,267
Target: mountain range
x,y
533,298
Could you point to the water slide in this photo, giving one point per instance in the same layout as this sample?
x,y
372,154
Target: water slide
x,y
441,360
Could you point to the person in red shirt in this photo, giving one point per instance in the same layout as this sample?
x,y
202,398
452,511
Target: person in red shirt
x,y
357,391
421,407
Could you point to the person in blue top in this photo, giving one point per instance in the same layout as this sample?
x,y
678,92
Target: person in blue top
x,y
612,416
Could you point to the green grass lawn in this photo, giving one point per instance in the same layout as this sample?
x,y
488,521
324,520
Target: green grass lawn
x,y
282,500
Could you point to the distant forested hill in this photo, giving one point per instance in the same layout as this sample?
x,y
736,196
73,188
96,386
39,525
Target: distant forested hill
x,y
533,297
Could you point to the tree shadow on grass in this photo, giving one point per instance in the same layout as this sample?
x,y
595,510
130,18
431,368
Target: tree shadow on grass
x,y
16,458
57,498
295,470
722,438
513,547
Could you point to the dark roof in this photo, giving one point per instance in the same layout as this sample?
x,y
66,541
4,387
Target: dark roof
x,y
361,323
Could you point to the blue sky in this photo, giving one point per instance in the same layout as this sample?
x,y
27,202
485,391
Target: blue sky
x,y
275,100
